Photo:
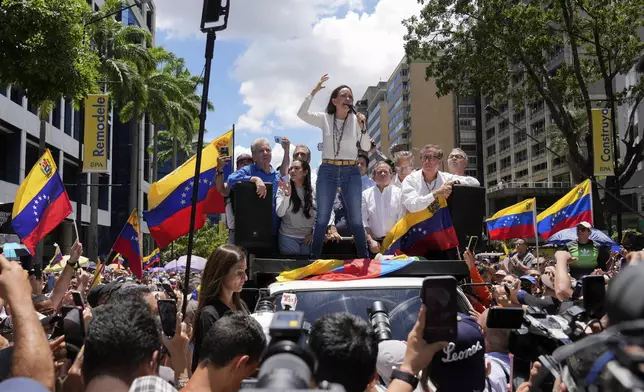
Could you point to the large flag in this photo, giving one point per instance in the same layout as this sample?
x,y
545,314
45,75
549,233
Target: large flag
x,y
516,221
128,244
170,198
58,257
575,207
364,269
41,203
428,230
151,259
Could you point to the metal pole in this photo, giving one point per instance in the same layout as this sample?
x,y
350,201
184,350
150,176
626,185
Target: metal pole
x,y
79,185
210,48
615,156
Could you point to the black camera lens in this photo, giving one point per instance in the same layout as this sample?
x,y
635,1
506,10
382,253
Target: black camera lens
x,y
379,318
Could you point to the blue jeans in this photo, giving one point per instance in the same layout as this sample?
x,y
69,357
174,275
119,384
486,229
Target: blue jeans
x,y
293,246
350,183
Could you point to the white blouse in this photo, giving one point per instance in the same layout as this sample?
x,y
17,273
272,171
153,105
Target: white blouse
x,y
351,136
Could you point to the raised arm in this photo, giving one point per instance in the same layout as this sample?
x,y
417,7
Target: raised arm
x,y
282,199
316,119
463,180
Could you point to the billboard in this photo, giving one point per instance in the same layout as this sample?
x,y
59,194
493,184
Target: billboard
x,y
603,158
95,140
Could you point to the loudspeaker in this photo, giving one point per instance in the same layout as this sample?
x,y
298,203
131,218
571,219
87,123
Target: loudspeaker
x,y
253,217
466,206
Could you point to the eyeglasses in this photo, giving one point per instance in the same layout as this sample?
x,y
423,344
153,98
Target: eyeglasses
x,y
427,158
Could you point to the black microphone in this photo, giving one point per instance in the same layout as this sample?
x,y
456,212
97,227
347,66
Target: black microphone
x,y
352,109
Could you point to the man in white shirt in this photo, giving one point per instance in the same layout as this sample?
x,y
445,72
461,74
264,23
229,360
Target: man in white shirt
x,y
381,207
404,162
457,163
421,187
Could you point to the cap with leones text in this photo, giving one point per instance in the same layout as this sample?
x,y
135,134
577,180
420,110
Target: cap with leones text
x,y
461,365
585,225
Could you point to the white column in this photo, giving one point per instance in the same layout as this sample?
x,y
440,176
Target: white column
x,y
23,156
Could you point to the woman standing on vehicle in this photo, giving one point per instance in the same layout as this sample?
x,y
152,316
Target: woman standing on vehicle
x,y
223,280
342,133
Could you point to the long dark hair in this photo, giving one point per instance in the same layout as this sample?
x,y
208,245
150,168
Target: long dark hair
x,y
330,107
308,192
219,263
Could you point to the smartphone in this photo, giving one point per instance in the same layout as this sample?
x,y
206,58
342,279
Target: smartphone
x,y
223,150
78,299
320,146
472,242
168,315
168,290
594,293
439,296
504,318
278,139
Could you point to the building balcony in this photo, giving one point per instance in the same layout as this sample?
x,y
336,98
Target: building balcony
x,y
518,186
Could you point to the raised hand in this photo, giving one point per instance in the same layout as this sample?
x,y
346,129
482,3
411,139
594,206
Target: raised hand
x,y
320,84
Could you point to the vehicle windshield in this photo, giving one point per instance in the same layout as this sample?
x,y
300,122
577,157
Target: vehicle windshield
x,y
403,305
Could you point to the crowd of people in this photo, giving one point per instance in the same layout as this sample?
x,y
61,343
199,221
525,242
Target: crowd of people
x,y
75,335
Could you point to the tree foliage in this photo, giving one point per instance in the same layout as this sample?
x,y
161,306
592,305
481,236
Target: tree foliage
x,y
44,50
206,240
489,46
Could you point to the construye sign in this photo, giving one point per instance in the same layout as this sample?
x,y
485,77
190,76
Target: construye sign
x,y
95,141
603,157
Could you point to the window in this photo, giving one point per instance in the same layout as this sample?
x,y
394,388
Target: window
x,y
505,124
536,108
540,167
563,179
538,149
16,95
520,137
559,162
68,116
518,117
520,156
103,192
539,127
504,144
506,163
149,19
491,168
491,150
492,183
469,149
467,123
395,106
396,117
489,134
55,115
522,173
507,178
3,90
463,110
471,172
503,107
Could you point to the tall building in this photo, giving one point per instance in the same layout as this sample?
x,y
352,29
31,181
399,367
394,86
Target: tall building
x,y
19,139
374,106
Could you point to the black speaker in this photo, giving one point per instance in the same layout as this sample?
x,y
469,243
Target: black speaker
x,y
253,217
466,206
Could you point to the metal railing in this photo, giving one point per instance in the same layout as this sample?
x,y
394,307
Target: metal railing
x,y
528,184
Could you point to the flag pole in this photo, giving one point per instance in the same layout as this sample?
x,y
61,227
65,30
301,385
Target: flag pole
x,y
534,220
76,228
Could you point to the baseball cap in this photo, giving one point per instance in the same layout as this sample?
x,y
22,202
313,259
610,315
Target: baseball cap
x,y
585,225
242,157
529,278
390,354
501,272
461,365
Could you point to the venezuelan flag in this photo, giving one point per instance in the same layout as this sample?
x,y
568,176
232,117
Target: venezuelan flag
x,y
364,269
151,259
170,198
41,203
516,221
128,244
58,257
575,207
423,231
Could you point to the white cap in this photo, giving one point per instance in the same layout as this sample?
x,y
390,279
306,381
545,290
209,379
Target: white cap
x,y
585,224
390,354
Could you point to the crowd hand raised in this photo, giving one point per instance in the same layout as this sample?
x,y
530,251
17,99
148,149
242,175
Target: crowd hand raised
x,y
261,187
222,160
286,144
14,281
565,255
178,343
469,258
320,84
77,251
419,353
285,187
87,317
526,386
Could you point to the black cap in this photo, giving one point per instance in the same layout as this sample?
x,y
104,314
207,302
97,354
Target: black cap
x,y
101,291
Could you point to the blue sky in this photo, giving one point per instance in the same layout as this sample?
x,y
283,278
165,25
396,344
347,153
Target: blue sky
x,y
272,55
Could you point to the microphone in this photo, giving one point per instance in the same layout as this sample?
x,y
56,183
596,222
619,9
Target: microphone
x,y
352,109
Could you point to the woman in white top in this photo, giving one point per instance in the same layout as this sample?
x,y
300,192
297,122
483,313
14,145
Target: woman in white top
x,y
342,132
295,204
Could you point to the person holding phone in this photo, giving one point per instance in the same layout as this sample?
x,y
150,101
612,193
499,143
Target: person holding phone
x,y
221,285
343,132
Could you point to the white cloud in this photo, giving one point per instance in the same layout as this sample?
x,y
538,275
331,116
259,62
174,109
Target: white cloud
x,y
291,43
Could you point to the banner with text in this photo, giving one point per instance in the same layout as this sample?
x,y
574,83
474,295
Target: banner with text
x,y
95,142
603,143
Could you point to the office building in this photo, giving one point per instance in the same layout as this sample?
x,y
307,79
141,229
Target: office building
x,y
373,106
19,139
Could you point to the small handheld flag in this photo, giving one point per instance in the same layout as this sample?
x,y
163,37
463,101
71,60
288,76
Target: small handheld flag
x,y
128,244
58,257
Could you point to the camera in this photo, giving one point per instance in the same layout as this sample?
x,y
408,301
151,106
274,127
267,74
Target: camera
x,y
379,318
287,363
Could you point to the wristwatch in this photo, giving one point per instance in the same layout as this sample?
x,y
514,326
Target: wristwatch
x,y
409,378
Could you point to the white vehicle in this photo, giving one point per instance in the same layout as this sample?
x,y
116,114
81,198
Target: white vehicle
x,y
401,296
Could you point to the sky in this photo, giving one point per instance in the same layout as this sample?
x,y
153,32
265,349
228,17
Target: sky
x,y
274,52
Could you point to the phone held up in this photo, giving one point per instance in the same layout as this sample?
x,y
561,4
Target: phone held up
x,y
78,299
224,150
440,298
472,243
168,315
278,139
